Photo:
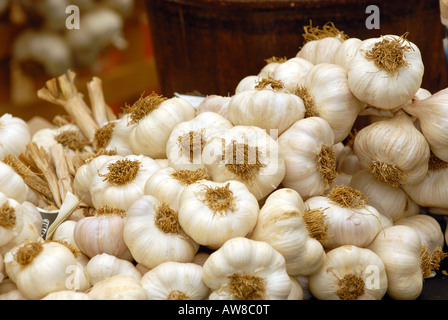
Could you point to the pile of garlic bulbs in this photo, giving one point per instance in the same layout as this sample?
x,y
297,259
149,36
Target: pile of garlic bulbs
x,y
269,193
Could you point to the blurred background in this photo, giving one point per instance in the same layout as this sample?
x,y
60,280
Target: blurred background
x,y
197,47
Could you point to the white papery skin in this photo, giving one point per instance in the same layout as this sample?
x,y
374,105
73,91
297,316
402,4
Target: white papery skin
x,y
394,141
266,108
172,277
347,260
390,201
55,268
269,69
150,135
85,175
65,232
12,184
378,88
14,135
120,136
212,229
349,226
281,224
292,72
103,266
433,120
266,179
101,234
321,50
432,191
428,228
29,216
300,146
243,256
296,290
399,248
210,124
8,233
118,287
345,52
247,83
328,84
163,186
149,245
67,295
121,196
214,103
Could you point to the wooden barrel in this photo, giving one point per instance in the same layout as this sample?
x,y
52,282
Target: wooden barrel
x,y
208,46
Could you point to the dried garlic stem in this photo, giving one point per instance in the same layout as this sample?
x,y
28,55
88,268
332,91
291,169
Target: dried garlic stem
x,y
219,199
30,177
308,101
275,84
44,164
99,105
348,197
63,92
62,172
187,177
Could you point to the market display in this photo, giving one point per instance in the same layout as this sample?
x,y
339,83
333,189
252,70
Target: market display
x,y
272,192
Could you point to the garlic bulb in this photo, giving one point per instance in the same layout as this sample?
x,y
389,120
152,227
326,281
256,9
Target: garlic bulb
x,y
214,103
431,115
14,135
310,159
154,235
11,220
213,212
247,154
348,217
350,273
120,182
118,287
103,266
2,269
390,201
269,106
321,44
188,139
12,185
175,281
326,94
69,136
399,248
31,53
173,180
114,136
284,223
270,67
102,233
200,258
432,190
30,218
385,72
292,72
154,117
244,269
346,160
39,268
345,52
85,175
247,83
432,241
67,295
393,150
102,27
